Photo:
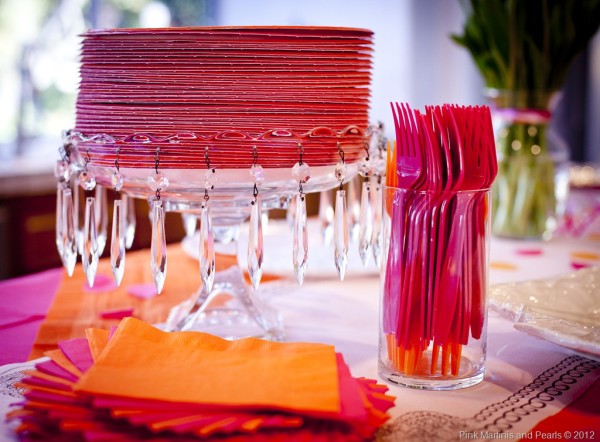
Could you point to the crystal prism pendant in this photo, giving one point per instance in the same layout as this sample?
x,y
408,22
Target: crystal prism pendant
x,y
353,207
377,233
158,245
300,244
117,242
69,241
290,214
129,209
255,244
326,216
365,224
190,221
101,218
60,190
77,217
89,257
207,248
340,234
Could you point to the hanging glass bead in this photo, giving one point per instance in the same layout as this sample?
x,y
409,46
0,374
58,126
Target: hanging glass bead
x,y
257,173
365,228
62,170
377,233
301,172
326,216
340,171
69,240
158,181
87,180
117,242
158,246
101,218
207,248
210,179
340,234
365,168
255,243
90,246
60,190
129,206
117,181
300,244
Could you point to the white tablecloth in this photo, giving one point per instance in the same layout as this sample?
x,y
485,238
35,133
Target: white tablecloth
x,y
521,370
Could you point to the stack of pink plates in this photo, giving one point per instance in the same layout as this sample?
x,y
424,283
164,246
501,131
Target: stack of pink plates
x,y
225,88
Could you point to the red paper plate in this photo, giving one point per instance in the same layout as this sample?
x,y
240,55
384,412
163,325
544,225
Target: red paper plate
x,y
225,80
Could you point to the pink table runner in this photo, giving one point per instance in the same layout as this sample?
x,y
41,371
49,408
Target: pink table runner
x,y
23,305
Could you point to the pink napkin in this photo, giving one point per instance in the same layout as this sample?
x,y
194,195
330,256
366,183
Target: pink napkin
x,y
142,291
78,352
53,369
117,314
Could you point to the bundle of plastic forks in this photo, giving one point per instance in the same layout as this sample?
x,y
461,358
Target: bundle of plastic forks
x,y
437,211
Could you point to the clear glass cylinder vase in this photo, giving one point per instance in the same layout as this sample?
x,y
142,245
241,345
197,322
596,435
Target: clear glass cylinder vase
x,y
433,314
531,188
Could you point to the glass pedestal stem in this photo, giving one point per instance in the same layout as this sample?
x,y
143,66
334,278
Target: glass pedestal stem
x,y
232,309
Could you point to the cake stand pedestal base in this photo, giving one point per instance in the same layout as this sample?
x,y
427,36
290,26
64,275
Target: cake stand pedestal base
x,y
232,310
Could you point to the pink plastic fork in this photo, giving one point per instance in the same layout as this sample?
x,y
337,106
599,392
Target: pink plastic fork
x,y
409,164
463,285
412,309
410,170
482,208
450,282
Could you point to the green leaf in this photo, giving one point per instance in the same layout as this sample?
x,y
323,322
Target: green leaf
x,y
527,44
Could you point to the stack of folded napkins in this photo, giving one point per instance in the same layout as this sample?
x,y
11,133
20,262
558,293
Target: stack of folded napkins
x,y
136,382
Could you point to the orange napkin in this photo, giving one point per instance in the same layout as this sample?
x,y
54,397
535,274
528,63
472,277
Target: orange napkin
x,y
97,339
204,369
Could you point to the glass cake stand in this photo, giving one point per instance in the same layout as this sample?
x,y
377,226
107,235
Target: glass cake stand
x,y
233,308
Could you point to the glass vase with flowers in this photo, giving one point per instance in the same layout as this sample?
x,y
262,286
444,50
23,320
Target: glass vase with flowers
x,y
523,49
